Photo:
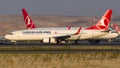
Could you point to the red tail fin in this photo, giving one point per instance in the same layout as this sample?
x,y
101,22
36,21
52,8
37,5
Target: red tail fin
x,y
28,20
104,22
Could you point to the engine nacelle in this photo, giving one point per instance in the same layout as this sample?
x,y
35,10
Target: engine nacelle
x,y
49,40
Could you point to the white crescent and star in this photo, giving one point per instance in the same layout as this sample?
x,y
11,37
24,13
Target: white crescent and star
x,y
27,19
102,23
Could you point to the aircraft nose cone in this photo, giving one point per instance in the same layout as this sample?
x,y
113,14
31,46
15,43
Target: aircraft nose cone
x,y
7,37
115,35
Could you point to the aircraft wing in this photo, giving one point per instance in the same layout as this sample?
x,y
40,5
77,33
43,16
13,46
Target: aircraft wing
x,y
102,33
67,35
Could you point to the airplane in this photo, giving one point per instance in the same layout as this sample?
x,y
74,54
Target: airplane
x,y
50,35
101,26
93,34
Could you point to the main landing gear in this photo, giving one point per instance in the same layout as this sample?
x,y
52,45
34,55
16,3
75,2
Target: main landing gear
x,y
94,41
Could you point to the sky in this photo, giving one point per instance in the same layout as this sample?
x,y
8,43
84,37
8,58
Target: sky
x,y
60,7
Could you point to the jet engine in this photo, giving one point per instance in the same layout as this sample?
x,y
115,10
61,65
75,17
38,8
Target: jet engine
x,y
49,40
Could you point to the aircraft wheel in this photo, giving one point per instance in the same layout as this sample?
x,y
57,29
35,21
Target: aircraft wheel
x,y
94,41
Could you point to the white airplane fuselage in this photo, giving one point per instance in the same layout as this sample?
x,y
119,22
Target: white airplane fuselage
x,y
40,34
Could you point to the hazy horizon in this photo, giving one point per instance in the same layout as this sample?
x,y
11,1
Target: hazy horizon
x,y
60,7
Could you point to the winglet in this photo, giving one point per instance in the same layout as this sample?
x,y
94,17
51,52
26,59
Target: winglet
x,y
116,27
69,27
78,31
28,20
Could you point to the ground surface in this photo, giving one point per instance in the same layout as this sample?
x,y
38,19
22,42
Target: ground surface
x,y
60,60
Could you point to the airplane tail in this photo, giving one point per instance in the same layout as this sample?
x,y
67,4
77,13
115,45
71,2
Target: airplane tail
x,y
104,22
28,20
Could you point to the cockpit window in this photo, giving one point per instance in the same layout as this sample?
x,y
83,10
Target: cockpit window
x,y
110,28
114,32
10,33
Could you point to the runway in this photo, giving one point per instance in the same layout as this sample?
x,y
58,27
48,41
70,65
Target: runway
x,y
82,46
80,43
58,49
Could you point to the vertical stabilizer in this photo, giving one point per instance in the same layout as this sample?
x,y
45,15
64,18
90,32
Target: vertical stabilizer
x,y
104,22
28,20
